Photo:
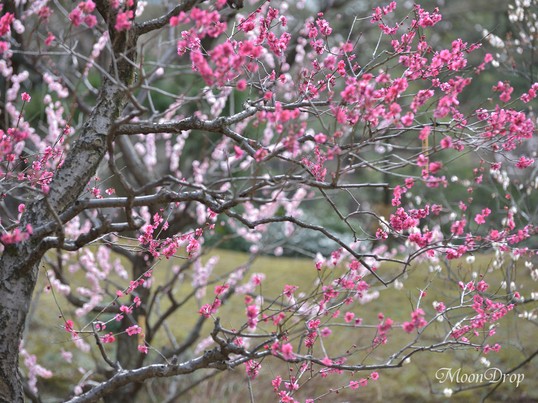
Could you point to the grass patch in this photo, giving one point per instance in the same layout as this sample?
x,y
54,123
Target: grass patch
x,y
415,381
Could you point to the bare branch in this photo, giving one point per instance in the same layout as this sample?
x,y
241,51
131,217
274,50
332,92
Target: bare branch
x,y
114,365
211,359
218,125
92,235
157,23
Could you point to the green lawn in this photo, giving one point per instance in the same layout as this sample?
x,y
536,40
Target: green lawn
x,y
413,382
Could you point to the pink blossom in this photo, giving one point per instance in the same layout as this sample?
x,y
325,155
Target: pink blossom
x,y
241,85
505,90
100,326
44,13
417,321
193,246
320,138
123,21
260,154
426,19
252,368
380,12
108,338
252,315
407,119
324,26
238,152
397,195
439,307
15,236
221,289
408,327
126,309
132,330
90,20
87,6
205,310
287,351
76,17
480,218
381,234
142,348
325,332
422,160
256,279
5,23
276,383
435,166
25,97
531,94
524,162
425,132
482,286
69,326
4,46
446,142
289,290
327,361
278,45
348,317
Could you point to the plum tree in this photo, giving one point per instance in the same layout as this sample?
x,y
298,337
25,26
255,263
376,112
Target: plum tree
x,y
133,137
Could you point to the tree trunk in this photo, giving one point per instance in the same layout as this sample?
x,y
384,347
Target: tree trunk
x,y
15,297
19,263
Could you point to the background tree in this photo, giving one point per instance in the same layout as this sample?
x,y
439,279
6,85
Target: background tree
x,y
156,136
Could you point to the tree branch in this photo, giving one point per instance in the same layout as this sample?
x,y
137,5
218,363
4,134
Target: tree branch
x,y
293,220
92,235
157,23
211,359
218,125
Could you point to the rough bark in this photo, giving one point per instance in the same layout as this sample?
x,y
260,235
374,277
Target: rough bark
x,y
19,264
15,297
